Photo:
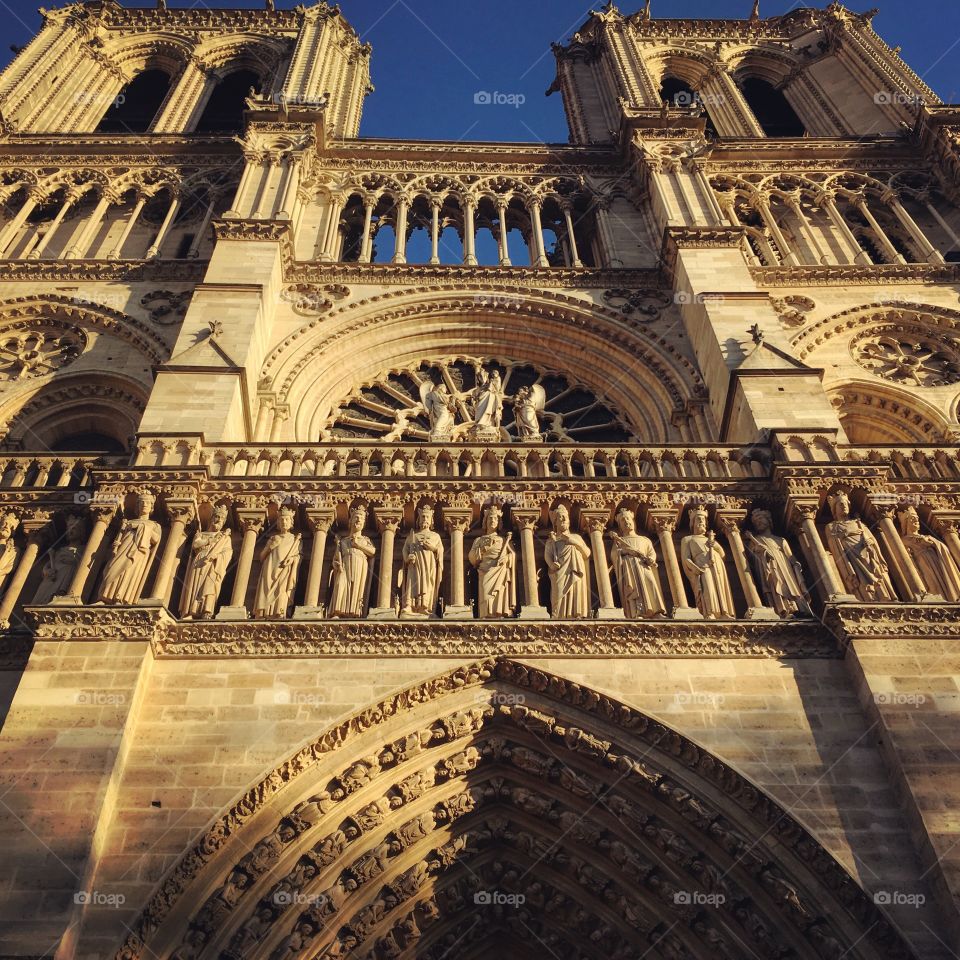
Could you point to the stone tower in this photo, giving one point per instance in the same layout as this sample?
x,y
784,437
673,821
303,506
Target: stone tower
x,y
430,550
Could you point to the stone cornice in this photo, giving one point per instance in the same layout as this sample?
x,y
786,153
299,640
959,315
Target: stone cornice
x,y
88,271
131,624
844,275
893,621
477,638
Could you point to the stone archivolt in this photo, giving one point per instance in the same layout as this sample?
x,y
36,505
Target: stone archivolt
x,y
457,797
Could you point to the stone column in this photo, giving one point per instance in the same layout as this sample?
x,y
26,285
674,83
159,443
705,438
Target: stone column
x,y
803,516
457,523
321,519
664,522
181,512
571,234
400,229
763,208
904,571
329,248
33,528
69,201
860,256
502,210
434,230
469,232
251,520
199,236
79,248
117,250
102,515
954,236
594,522
154,250
526,522
10,229
948,526
932,254
806,228
388,522
539,251
366,240
861,204
729,522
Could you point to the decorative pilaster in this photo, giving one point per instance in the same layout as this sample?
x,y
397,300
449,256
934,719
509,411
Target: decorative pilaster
x,y
320,519
457,523
251,521
181,512
729,522
34,529
102,515
526,522
594,522
664,523
802,515
388,522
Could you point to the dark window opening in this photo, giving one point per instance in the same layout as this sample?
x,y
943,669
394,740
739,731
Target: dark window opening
x,y
183,247
88,440
680,96
772,109
952,256
137,104
224,110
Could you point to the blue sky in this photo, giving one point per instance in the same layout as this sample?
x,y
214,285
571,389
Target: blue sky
x,y
431,57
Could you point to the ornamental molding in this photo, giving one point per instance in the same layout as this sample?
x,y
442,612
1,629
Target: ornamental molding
x,y
456,275
852,622
91,271
127,624
847,274
575,638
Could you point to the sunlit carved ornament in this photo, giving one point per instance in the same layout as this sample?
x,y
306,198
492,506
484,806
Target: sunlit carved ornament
x,y
482,400
645,305
37,351
793,310
313,300
908,359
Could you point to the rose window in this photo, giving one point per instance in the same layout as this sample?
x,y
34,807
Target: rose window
x,y
914,361
25,354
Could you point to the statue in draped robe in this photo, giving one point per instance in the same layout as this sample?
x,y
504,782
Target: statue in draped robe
x,y
8,547
567,556
279,565
777,570
133,551
931,557
422,567
210,556
703,559
635,566
495,560
488,400
61,562
352,569
862,566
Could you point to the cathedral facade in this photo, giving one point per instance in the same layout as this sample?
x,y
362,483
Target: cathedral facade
x,y
465,550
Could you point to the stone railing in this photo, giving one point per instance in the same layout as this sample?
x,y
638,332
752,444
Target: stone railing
x,y
911,463
63,470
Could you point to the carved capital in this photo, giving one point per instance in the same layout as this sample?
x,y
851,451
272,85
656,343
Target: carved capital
x,y
321,519
457,520
594,521
182,509
251,518
388,519
730,521
525,519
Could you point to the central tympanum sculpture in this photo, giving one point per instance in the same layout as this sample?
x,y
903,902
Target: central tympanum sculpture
x,y
422,567
777,570
280,562
567,556
703,562
133,551
352,570
495,560
488,400
441,410
931,557
528,404
635,565
855,549
210,556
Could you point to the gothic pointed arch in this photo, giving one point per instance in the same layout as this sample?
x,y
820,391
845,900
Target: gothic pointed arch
x,y
879,414
506,809
640,374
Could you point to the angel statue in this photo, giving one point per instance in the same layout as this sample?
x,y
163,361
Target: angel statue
x,y
528,404
441,408
488,405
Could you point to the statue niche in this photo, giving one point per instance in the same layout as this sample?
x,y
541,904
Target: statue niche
x,y
495,560
422,567
133,552
280,562
703,561
61,561
931,558
352,570
567,556
477,401
210,556
635,565
862,567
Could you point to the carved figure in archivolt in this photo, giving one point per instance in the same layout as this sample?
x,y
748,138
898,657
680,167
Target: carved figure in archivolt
x,y
636,569
777,570
496,563
8,548
422,566
133,552
703,561
855,549
931,557
567,556
528,404
61,561
441,408
352,571
280,562
210,557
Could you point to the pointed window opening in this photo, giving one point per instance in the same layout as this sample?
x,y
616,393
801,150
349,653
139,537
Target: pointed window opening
x,y
136,106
